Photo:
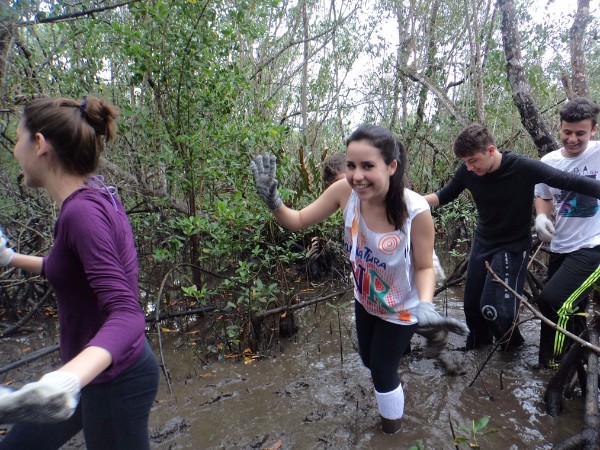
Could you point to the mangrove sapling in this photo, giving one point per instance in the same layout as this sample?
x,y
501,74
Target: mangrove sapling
x,y
470,434
474,432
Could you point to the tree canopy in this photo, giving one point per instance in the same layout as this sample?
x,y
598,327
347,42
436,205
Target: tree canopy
x,y
203,86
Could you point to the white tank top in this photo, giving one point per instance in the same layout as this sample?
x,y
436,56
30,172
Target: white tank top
x,y
382,262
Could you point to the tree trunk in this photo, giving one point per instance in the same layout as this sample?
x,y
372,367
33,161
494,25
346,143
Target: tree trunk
x,y
531,118
429,69
576,36
306,56
6,38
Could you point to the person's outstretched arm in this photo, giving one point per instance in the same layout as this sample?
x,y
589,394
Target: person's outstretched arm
x,y
264,168
10,258
32,264
432,199
559,179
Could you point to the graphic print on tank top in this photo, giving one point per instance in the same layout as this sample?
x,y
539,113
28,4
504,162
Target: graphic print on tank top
x,y
380,267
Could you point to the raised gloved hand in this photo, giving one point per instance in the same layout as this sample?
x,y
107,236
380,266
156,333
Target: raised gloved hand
x,y
51,399
6,253
544,227
429,317
263,168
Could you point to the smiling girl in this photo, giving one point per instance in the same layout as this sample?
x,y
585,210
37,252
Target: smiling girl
x,y
389,237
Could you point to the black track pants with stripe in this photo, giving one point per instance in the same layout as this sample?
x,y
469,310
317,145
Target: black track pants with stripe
x,y
571,276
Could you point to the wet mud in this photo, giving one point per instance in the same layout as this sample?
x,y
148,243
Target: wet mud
x,y
312,392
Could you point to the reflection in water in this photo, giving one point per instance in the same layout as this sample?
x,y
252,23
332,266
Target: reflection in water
x,y
305,396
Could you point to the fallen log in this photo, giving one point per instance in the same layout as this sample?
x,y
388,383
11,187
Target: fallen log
x,y
257,319
295,306
29,358
21,323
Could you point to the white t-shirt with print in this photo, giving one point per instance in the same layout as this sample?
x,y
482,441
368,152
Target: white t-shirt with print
x,y
577,219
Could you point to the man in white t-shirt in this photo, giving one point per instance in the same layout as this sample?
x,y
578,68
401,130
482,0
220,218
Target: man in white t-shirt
x,y
574,264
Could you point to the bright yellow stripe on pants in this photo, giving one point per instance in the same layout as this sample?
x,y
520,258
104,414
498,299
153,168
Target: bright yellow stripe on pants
x,y
565,310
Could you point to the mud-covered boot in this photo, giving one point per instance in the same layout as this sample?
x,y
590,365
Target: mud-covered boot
x,y
390,426
390,404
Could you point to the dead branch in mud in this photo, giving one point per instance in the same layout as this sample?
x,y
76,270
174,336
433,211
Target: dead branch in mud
x,y
257,319
503,339
587,438
538,315
16,327
270,312
448,284
29,358
543,318
172,315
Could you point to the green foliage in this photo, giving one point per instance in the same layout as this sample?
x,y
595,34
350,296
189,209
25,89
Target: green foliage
x,y
474,432
418,445
204,87
470,434
455,221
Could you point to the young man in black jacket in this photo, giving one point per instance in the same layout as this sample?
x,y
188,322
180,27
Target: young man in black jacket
x,y
502,186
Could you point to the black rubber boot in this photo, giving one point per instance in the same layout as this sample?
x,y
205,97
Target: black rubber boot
x,y
390,426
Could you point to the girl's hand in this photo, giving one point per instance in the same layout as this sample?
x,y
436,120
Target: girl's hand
x,y
6,253
263,168
429,317
51,399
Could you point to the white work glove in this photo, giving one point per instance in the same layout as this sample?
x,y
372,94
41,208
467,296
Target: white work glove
x,y
440,275
544,228
51,399
429,317
263,168
6,253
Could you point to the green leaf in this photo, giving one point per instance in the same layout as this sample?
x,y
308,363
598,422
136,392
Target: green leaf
x,y
481,423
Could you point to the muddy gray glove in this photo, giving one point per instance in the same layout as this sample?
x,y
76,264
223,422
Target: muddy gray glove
x,y
436,339
544,228
51,399
263,168
6,253
429,317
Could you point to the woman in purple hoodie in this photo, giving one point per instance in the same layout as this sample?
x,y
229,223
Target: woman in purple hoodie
x,y
109,375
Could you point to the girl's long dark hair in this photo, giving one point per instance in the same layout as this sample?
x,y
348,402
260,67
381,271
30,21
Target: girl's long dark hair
x,y
391,149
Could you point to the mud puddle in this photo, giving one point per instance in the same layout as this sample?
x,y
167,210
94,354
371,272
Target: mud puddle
x,y
312,392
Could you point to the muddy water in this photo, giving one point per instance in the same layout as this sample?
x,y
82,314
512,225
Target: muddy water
x,y
311,392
